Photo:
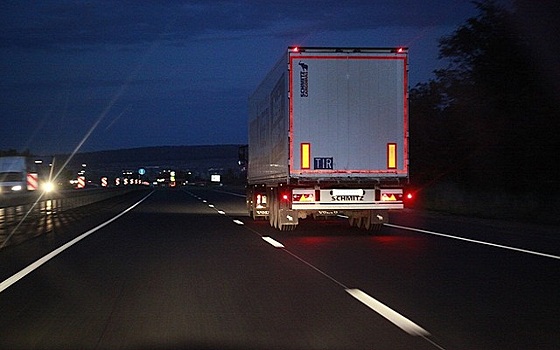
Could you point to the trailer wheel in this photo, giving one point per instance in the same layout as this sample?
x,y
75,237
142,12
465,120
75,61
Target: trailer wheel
x,y
249,202
367,221
375,228
355,221
272,214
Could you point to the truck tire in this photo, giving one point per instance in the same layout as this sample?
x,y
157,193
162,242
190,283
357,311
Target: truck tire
x,y
355,221
249,202
367,221
371,223
272,211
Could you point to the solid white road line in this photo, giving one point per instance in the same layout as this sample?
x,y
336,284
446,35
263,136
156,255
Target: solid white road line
x,y
239,222
399,320
475,241
16,277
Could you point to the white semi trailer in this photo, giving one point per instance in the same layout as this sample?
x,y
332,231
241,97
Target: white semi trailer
x,y
328,135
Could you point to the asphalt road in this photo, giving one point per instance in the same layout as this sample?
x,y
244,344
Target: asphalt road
x,y
187,269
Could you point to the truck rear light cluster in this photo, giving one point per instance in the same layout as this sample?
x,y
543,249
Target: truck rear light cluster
x,y
395,195
305,195
260,201
390,197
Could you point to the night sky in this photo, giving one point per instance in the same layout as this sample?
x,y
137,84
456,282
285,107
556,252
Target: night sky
x,y
104,75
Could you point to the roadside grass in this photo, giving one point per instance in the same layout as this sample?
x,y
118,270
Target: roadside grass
x,y
541,208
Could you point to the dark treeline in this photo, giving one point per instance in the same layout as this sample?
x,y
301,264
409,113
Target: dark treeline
x,y
13,152
489,119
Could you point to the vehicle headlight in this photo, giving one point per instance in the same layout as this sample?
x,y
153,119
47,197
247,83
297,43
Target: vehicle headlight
x,y
48,187
16,188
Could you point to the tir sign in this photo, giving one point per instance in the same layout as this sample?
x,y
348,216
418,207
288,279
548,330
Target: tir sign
x,y
323,163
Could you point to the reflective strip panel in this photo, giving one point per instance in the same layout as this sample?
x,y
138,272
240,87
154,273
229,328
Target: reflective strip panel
x,y
391,156
32,181
305,155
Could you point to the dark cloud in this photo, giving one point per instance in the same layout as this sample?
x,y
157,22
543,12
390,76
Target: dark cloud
x,y
166,72
57,24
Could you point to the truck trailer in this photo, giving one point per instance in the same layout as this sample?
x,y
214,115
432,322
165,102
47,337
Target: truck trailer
x,y
328,136
14,173
20,174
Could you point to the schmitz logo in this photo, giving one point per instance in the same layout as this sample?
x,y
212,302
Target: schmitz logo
x,y
349,195
347,198
304,80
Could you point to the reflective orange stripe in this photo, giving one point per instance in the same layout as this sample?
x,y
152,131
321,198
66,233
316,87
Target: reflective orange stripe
x,y
305,155
391,156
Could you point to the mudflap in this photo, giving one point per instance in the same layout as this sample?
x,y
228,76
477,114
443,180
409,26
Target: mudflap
x,y
288,217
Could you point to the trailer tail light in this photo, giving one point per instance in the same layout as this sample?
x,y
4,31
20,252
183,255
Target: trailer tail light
x,y
395,195
304,195
410,197
260,201
391,156
388,197
285,196
305,155
400,50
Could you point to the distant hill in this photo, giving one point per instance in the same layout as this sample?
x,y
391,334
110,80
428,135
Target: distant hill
x,y
161,154
198,159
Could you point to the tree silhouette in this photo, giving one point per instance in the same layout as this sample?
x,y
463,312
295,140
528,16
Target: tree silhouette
x,y
486,121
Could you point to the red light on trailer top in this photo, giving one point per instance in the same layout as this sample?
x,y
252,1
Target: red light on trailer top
x,y
285,197
400,50
295,49
409,196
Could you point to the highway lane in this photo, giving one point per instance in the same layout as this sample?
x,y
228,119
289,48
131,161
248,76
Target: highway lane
x,y
467,294
178,272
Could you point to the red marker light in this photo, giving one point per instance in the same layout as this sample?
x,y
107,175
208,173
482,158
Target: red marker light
x,y
400,50
295,49
285,197
409,196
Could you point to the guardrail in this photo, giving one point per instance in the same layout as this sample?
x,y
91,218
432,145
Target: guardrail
x,y
27,215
